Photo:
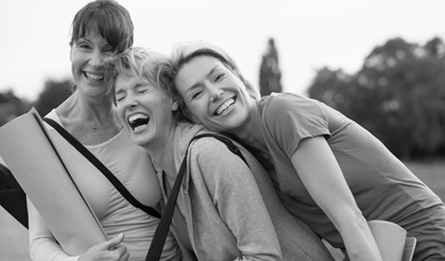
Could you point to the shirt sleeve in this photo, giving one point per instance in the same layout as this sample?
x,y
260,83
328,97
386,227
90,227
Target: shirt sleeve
x,y
238,200
42,244
290,118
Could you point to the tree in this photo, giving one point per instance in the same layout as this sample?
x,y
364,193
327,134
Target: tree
x,y
53,94
398,95
409,80
11,107
270,74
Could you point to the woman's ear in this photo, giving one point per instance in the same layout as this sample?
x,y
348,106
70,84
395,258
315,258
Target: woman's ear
x,y
174,105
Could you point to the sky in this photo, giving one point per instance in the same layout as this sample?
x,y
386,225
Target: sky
x,y
308,35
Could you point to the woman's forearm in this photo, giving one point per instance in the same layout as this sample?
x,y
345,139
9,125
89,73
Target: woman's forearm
x,y
323,178
358,239
42,244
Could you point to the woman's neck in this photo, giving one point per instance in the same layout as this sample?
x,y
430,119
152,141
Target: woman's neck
x,y
90,122
87,109
251,131
161,151
99,110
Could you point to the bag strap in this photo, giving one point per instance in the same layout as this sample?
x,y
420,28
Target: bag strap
x,y
107,173
12,196
157,244
227,141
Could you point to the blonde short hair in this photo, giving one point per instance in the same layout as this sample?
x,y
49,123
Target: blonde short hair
x,y
149,66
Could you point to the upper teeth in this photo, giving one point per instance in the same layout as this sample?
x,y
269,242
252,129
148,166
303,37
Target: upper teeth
x,y
135,117
137,120
225,105
97,77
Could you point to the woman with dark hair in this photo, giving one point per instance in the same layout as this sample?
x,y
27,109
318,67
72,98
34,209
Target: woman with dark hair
x,y
101,29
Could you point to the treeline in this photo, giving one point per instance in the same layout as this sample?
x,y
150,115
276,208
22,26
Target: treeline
x,y
398,95
54,93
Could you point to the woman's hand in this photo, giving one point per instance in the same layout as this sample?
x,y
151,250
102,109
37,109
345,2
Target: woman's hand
x,y
108,250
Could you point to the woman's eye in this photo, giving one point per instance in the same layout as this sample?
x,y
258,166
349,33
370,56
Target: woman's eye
x,y
84,46
196,94
120,97
219,76
141,90
81,43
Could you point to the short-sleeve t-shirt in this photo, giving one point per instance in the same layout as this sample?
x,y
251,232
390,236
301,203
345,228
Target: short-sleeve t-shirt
x,y
382,186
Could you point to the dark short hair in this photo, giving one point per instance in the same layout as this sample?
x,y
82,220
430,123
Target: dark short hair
x,y
107,18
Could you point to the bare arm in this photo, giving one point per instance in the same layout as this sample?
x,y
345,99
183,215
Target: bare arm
x,y
323,178
42,244
44,247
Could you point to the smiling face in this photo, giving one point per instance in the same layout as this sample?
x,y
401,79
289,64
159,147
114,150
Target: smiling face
x,y
87,56
216,97
145,111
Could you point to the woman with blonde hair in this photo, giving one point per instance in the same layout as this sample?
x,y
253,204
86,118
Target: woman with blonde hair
x,y
221,213
329,172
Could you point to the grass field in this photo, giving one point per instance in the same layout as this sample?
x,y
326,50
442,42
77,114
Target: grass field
x,y
14,238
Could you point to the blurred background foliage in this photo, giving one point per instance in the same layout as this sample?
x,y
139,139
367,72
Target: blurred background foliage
x,y
398,94
270,74
54,93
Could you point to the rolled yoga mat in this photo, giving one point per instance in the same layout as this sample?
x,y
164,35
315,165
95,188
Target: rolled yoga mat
x,y
30,154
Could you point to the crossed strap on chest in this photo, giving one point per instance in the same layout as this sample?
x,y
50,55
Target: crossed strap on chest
x,y
155,251
105,171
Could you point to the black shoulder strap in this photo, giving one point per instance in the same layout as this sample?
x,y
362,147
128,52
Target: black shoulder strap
x,y
107,173
157,244
12,196
234,149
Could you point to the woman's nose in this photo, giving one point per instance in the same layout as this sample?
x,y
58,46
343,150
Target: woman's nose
x,y
215,94
131,99
96,59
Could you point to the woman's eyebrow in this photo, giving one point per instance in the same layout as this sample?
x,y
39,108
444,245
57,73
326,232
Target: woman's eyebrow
x,y
206,76
134,86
